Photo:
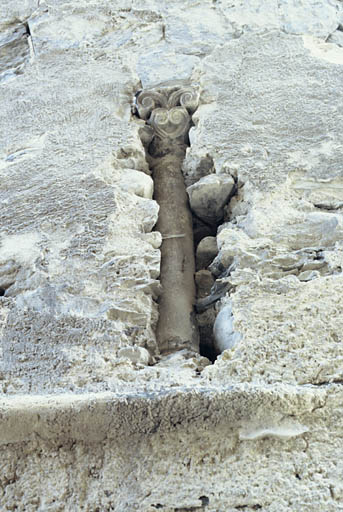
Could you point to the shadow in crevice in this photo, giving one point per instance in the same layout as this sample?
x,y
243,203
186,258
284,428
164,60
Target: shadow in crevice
x,y
211,279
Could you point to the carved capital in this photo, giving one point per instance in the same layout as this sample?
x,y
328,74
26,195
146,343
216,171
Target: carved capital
x,y
167,109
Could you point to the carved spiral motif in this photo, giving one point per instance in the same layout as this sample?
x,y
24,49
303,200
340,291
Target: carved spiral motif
x,y
187,97
168,112
147,101
170,123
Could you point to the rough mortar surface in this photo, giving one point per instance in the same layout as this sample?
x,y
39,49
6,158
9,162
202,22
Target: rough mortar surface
x,y
92,418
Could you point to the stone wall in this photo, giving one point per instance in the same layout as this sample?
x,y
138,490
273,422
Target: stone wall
x,y
93,417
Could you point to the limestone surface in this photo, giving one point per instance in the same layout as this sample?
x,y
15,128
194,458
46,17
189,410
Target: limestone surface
x,y
92,418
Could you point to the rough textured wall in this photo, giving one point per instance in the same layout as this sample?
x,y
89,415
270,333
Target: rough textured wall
x,y
92,418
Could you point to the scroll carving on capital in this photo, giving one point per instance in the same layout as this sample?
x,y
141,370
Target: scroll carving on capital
x,y
167,109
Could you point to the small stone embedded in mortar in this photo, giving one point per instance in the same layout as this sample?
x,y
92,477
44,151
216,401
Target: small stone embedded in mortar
x,y
225,337
209,195
137,355
206,251
204,280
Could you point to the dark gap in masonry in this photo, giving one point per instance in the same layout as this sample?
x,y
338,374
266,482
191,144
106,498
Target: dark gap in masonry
x,y
211,278
6,284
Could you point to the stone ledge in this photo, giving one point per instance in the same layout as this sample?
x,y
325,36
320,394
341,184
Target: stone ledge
x,y
94,417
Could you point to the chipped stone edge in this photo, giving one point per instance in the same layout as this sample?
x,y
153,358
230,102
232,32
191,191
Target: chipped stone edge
x,y
94,417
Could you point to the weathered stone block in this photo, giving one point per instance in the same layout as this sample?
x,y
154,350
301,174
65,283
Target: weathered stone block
x,y
209,195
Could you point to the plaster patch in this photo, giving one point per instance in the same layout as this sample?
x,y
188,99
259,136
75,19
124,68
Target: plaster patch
x,y
285,430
